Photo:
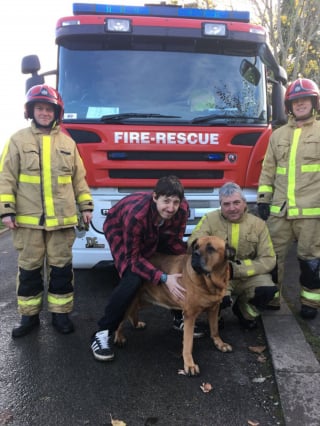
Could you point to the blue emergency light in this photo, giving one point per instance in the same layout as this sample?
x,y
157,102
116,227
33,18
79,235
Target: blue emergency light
x,y
161,11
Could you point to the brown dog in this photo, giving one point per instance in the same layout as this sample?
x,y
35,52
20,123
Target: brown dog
x,y
205,275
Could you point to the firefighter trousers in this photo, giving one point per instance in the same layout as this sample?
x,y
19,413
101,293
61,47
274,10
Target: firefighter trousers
x,y
306,232
44,256
244,291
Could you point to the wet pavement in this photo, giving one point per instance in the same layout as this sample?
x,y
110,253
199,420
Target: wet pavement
x,y
52,379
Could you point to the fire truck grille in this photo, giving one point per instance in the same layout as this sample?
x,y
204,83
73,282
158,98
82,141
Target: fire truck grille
x,y
156,174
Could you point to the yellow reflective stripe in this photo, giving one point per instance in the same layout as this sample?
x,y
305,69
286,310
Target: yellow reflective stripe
x,y
84,197
310,168
251,311
4,153
7,198
265,188
311,296
64,179
275,209
59,300
311,212
235,231
28,178
199,224
272,252
292,168
35,301
27,220
46,162
293,212
52,222
281,170
71,220
248,262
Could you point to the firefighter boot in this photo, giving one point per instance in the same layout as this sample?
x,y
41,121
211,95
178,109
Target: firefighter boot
x,y
307,312
62,323
245,323
262,296
310,282
27,324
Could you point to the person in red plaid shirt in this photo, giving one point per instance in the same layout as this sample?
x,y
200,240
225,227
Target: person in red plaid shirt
x,y
136,227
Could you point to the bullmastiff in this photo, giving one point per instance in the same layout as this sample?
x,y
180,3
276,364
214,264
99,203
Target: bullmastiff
x,y
205,275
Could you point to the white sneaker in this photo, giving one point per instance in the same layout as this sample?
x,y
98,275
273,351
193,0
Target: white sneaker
x,y
101,347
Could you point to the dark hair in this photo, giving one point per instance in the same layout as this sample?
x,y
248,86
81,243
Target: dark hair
x,y
169,185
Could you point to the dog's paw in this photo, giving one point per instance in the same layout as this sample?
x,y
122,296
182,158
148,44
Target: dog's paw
x,y
222,346
141,325
119,340
191,370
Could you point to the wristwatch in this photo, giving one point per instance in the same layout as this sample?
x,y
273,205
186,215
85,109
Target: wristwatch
x,y
163,278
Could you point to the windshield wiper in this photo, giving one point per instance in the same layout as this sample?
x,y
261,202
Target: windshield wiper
x,y
213,117
126,115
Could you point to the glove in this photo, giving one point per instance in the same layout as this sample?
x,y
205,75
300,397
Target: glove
x,y
264,210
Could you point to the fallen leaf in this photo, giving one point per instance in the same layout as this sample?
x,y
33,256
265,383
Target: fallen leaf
x,y
115,422
5,417
253,423
262,358
259,380
206,387
257,349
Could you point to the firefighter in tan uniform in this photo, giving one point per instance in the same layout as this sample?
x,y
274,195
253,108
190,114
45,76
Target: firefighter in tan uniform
x,y
251,282
42,180
289,191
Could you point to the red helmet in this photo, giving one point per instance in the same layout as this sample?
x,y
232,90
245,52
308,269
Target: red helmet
x,y
302,88
46,94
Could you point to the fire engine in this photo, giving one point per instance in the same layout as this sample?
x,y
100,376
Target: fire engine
x,y
156,90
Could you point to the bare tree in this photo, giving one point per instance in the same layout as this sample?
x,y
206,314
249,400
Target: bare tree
x,y
294,28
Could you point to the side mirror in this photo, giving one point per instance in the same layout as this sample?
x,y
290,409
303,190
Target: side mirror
x,y
249,72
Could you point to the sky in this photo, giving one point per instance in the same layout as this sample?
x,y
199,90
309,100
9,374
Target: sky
x,y
28,27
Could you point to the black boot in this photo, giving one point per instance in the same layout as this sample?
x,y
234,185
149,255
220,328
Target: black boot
x,y
245,323
62,323
27,324
307,312
262,296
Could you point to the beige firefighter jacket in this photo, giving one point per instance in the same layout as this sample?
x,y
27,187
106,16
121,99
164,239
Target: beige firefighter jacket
x,y
290,176
250,238
42,180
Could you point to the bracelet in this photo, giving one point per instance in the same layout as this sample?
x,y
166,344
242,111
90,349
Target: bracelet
x,y
163,278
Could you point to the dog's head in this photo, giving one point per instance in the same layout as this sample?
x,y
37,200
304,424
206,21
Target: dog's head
x,y
209,253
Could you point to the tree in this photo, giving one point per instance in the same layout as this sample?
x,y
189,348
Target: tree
x,y
294,34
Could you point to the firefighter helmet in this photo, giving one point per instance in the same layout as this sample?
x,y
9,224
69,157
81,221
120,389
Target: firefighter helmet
x,y
302,88
46,94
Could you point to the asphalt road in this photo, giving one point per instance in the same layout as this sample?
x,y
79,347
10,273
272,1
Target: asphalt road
x,y
52,379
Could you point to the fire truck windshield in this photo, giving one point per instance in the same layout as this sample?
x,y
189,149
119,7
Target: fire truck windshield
x,y
165,86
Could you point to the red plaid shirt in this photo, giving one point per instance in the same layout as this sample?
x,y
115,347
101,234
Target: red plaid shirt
x,y
133,236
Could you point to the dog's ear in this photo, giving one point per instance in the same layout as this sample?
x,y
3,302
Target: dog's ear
x,y
230,252
194,242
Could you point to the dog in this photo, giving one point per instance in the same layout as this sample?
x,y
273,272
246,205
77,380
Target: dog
x,y
205,276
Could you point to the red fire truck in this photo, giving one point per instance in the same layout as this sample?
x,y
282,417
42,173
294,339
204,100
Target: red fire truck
x,y
155,90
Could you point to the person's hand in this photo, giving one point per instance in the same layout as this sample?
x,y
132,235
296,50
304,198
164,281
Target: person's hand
x,y
264,210
87,217
174,287
9,221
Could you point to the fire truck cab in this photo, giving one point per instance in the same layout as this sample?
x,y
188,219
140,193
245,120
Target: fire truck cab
x,y
156,90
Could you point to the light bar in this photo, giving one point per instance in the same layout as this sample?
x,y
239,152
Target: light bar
x,y
159,10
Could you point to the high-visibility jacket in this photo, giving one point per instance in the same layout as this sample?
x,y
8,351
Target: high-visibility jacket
x,y
42,177
290,176
250,238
